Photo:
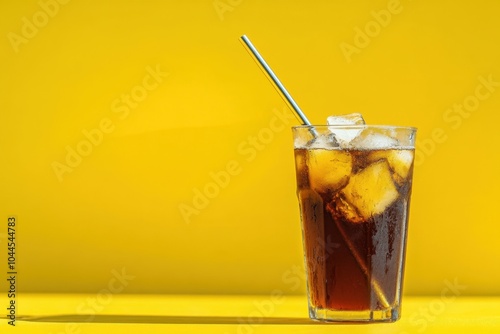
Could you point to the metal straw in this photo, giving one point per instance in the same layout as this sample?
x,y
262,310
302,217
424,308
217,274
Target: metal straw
x,y
277,83
303,119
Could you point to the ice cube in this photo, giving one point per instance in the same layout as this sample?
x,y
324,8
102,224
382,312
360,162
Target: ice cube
x,y
329,170
371,190
301,168
371,139
349,119
323,141
300,142
344,136
340,208
322,138
400,162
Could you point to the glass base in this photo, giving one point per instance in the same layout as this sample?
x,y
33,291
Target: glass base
x,y
387,315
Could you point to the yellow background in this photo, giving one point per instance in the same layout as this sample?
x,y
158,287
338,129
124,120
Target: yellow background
x,y
120,207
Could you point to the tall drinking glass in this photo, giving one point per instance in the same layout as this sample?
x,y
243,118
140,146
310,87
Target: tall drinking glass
x,y
354,186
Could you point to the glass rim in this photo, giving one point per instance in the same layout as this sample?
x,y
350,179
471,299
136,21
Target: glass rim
x,y
356,126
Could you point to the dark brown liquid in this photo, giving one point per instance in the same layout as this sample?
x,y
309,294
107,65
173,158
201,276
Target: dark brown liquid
x,y
353,262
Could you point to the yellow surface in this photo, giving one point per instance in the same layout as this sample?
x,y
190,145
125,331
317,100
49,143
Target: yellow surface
x,y
172,186
235,314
